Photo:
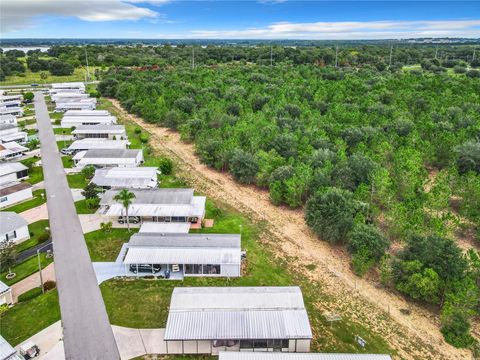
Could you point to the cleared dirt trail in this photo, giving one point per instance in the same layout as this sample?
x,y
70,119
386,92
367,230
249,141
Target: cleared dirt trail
x,y
414,336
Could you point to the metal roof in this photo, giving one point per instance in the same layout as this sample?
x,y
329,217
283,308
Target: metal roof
x,y
233,313
234,355
10,168
153,196
109,153
99,128
64,85
13,187
7,352
16,136
86,113
87,144
179,255
4,287
10,221
193,240
137,177
8,118
108,119
165,228
7,126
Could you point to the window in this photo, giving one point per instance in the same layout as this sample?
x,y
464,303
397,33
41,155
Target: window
x,y
22,174
11,235
178,219
260,344
211,269
3,199
246,344
193,269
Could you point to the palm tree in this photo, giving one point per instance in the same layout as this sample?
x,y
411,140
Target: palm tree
x,y
125,197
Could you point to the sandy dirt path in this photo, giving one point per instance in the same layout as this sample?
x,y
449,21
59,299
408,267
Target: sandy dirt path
x,y
414,336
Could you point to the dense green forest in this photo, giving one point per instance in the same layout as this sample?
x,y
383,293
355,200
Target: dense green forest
x,y
375,157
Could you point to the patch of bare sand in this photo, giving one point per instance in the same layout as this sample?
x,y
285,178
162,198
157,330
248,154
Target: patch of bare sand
x,y
414,336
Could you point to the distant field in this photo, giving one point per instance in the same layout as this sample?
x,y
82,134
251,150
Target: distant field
x,y
34,78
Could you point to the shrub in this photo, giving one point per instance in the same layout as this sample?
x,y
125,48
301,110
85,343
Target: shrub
x,y
456,330
362,262
92,203
137,130
367,238
144,138
30,294
88,171
106,227
49,285
166,166
243,166
43,237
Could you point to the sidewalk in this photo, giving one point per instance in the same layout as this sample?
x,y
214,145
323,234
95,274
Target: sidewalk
x,y
35,214
32,281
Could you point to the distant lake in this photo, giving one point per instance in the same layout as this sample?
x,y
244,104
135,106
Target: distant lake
x,y
26,48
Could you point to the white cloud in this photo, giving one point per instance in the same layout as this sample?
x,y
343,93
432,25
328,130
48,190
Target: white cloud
x,y
349,30
18,14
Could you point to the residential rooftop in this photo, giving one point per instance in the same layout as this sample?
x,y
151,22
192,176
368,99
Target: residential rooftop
x,y
10,221
13,187
242,355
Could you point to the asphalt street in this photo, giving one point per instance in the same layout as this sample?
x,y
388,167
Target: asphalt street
x,y
86,328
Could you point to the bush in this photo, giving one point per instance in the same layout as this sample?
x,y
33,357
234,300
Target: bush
x,y
456,330
58,67
28,96
144,138
92,203
367,238
43,237
166,166
468,157
49,285
88,171
30,294
362,262
243,166
106,227
137,130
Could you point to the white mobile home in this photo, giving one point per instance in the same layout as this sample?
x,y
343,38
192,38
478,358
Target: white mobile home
x,y
11,101
11,150
7,351
97,144
158,205
87,113
10,132
14,192
84,104
68,86
5,298
75,121
13,171
69,96
8,119
13,227
206,320
211,255
164,228
244,355
109,158
15,110
100,131
131,178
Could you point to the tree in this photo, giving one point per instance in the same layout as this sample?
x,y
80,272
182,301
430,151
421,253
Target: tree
x,y
166,166
413,279
468,157
125,197
456,330
8,255
369,238
243,166
28,96
331,214
90,191
33,144
58,67
88,171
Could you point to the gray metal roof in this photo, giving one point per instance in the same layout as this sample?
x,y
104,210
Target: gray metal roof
x,y
234,355
10,221
165,228
4,287
103,144
87,113
185,240
7,126
7,352
90,119
112,153
10,168
153,196
99,128
233,313
137,177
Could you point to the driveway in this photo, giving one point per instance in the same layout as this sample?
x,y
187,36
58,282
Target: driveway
x,y
86,328
35,214
90,222
132,343
32,281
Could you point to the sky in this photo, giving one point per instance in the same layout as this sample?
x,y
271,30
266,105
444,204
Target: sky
x,y
248,19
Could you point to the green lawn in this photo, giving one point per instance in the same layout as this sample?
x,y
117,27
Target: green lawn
x,y
62,131
63,144
25,269
34,78
169,181
30,161
82,207
56,116
77,181
37,200
26,122
67,161
37,231
27,318
104,246
35,175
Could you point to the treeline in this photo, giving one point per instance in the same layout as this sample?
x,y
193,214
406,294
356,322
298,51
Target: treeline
x,y
376,158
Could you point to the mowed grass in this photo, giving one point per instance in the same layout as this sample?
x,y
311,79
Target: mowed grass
x,y
28,318
62,131
67,162
82,208
35,174
37,200
37,231
25,269
34,78
77,181
105,246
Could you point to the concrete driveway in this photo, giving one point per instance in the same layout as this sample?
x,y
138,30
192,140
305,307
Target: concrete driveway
x,y
131,342
32,281
35,214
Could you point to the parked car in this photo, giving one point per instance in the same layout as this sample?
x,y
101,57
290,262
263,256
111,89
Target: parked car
x,y
66,151
132,219
145,268
29,350
33,84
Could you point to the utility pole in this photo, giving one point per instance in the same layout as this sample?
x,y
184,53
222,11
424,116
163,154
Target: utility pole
x,y
193,57
390,60
336,55
86,59
271,56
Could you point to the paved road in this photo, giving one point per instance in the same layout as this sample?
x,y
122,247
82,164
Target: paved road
x,y
86,329
24,255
